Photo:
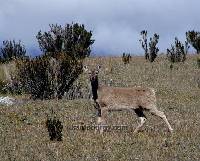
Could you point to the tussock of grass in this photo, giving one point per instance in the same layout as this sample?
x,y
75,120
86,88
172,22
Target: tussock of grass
x,y
25,137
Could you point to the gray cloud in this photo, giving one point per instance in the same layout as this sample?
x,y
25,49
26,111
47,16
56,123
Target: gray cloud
x,y
116,24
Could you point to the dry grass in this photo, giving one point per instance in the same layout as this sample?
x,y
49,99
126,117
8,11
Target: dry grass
x,y
25,137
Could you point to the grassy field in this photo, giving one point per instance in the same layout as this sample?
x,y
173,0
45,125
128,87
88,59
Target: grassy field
x,y
24,136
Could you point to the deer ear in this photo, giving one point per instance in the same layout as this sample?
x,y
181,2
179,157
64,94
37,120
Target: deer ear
x,y
85,68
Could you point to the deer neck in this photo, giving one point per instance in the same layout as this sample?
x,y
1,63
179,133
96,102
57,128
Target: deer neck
x,y
95,86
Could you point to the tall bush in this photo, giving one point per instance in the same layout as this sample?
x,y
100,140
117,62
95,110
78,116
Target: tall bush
x,y
151,50
52,74
178,51
72,39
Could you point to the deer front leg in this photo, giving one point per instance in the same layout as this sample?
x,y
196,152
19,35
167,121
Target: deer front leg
x,y
142,121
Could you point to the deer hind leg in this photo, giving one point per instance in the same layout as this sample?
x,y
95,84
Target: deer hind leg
x,y
142,117
162,116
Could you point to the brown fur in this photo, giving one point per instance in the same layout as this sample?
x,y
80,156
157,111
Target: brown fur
x,y
133,97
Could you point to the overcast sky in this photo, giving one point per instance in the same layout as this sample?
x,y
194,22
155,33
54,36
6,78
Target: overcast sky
x,y
116,24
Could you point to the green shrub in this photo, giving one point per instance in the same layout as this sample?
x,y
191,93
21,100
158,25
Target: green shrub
x,y
178,51
193,37
46,77
72,39
52,75
151,50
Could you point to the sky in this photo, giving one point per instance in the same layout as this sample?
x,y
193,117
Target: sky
x,y
115,24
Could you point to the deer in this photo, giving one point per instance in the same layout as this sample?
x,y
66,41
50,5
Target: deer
x,y
137,99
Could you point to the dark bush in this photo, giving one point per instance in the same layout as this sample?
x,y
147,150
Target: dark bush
x,y
12,50
46,77
54,127
193,37
178,51
52,74
151,50
72,39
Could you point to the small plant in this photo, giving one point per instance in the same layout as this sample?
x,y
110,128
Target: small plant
x,y
54,127
12,50
198,62
178,52
72,39
126,58
193,37
151,50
